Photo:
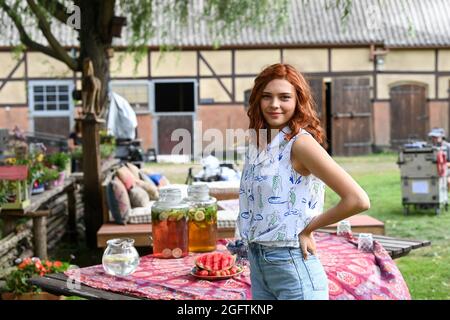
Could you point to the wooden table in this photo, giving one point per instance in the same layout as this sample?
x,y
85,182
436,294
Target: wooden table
x,y
39,215
58,283
396,247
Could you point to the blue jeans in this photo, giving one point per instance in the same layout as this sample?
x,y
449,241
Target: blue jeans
x,y
281,273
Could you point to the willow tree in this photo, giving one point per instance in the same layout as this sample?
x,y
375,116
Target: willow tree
x,y
98,21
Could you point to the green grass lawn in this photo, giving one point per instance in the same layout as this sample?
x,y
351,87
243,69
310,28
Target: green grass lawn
x,y
425,270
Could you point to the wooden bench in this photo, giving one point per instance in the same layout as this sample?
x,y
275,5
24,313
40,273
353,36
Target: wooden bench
x,y
396,247
140,233
362,223
359,223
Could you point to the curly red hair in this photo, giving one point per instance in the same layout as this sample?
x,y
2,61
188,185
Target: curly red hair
x,y
305,115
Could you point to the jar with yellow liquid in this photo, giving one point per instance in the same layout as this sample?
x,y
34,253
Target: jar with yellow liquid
x,y
202,223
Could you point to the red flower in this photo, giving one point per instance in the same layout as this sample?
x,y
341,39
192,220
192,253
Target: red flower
x,y
57,264
22,266
38,265
48,263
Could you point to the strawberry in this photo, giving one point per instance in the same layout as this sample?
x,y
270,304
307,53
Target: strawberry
x,y
203,273
234,270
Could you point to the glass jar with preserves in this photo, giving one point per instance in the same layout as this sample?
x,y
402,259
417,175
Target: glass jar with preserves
x,y
169,224
202,219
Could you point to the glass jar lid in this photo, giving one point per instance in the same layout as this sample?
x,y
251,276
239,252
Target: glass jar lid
x,y
170,194
198,191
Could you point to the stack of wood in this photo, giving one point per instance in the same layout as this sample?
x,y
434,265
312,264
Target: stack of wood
x,y
17,244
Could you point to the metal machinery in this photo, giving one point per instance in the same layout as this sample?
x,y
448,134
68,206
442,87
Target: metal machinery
x,y
423,170
128,150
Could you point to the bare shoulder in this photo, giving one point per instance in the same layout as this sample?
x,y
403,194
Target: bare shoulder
x,y
306,147
305,151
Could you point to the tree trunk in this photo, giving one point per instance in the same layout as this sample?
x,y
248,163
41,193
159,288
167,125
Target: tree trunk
x,y
93,45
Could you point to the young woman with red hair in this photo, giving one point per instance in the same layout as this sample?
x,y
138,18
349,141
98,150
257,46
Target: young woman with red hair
x,y
282,189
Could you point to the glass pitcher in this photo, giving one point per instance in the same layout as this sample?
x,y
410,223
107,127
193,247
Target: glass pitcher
x,y
169,225
202,219
120,257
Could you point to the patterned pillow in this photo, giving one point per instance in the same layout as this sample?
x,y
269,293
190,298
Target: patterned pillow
x,y
141,215
150,188
133,169
118,201
126,177
139,197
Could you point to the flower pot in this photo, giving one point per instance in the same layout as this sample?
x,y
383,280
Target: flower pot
x,y
30,296
37,188
62,176
49,185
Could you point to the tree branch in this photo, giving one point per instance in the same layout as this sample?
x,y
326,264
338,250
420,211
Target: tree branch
x,y
54,43
57,9
26,40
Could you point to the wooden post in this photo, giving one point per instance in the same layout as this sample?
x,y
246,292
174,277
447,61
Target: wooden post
x,y
9,225
72,210
92,178
40,233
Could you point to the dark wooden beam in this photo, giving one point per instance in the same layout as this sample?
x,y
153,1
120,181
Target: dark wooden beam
x,y
216,76
11,73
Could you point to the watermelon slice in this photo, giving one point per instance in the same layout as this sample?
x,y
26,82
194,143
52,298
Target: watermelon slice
x,y
216,261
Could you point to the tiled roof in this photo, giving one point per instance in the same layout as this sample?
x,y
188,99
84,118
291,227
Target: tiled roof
x,y
395,23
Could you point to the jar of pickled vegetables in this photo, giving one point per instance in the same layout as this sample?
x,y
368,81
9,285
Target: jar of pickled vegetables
x,y
202,219
169,224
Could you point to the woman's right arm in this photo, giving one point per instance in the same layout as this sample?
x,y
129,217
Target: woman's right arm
x,y
316,160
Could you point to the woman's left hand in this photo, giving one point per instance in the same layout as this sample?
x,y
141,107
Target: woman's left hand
x,y
307,244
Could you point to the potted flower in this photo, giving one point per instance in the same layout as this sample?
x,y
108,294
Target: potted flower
x,y
59,161
20,289
49,177
34,159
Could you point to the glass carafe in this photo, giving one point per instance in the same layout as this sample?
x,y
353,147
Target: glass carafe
x,y
120,257
169,224
202,219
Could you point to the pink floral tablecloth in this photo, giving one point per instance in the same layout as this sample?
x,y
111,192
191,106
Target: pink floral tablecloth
x,y
351,275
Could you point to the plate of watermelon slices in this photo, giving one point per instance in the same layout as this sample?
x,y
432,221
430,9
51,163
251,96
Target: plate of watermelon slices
x,y
216,266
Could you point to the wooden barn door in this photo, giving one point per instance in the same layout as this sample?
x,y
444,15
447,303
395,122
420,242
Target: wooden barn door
x,y
351,116
318,92
409,116
167,125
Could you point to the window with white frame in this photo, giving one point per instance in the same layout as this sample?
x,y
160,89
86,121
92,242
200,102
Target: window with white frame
x,y
136,93
50,97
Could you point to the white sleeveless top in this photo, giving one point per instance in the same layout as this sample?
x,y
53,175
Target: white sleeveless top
x,y
275,202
